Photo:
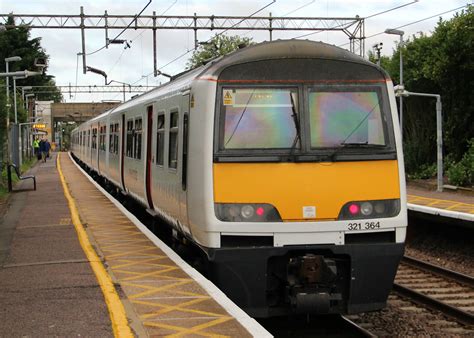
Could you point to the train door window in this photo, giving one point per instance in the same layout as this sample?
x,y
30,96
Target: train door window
x,y
102,134
111,139
160,139
173,145
94,138
80,138
129,152
88,138
116,138
138,139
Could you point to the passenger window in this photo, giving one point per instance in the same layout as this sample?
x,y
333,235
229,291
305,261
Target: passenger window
x,y
160,139
173,146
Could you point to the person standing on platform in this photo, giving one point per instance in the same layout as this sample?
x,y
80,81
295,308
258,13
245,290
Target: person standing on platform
x,y
35,146
39,155
46,148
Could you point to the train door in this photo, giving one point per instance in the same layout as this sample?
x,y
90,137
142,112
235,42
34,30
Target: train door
x,y
122,152
148,158
183,210
99,139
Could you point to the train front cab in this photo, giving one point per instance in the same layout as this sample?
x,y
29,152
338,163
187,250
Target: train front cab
x,y
308,186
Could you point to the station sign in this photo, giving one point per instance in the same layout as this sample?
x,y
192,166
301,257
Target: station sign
x,y
39,125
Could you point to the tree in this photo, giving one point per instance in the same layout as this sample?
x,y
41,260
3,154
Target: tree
x,y
442,63
16,41
217,46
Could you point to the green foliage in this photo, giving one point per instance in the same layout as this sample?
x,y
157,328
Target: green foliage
x,y
462,172
26,165
16,41
442,63
217,46
424,171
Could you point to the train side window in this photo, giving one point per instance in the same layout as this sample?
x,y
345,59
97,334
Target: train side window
x,y
138,139
129,152
116,138
160,139
173,145
88,138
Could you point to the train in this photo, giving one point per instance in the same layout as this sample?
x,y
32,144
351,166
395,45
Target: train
x,y
281,162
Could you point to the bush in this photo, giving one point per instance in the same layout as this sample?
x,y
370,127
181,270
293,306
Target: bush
x,y
462,172
424,171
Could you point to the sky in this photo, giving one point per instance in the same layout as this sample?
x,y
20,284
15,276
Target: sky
x,y
135,64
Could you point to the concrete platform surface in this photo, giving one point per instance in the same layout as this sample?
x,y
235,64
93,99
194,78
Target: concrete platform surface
x,y
47,287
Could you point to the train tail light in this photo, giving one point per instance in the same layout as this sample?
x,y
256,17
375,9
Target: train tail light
x,y
245,212
370,209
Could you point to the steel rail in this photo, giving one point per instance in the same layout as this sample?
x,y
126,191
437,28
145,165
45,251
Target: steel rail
x,y
443,272
357,328
434,304
457,314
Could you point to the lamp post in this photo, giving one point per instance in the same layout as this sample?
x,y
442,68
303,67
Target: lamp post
x,y
26,99
400,91
19,74
400,33
7,61
23,91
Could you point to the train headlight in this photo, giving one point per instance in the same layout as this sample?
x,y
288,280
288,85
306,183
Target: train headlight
x,y
247,211
240,212
370,209
379,208
366,208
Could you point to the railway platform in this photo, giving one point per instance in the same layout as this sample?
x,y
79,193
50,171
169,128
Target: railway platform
x,y
73,263
447,204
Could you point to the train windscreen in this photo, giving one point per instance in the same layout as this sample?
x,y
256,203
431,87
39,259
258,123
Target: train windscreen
x,y
259,118
340,117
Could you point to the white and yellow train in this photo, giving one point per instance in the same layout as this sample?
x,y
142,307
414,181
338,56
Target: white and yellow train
x,y
281,161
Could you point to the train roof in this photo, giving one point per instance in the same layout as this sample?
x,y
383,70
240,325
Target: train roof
x,y
284,49
278,49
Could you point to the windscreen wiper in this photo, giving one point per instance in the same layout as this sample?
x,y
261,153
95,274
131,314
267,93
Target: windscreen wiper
x,y
296,121
361,145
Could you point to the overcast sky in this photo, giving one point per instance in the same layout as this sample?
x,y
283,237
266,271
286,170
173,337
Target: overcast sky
x,y
132,65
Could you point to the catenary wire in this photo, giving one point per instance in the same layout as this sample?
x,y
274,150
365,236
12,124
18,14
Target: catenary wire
x,y
367,17
118,35
191,50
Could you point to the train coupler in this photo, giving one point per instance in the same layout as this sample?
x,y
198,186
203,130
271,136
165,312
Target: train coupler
x,y
311,283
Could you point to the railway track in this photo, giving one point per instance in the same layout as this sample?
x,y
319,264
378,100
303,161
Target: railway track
x,y
440,289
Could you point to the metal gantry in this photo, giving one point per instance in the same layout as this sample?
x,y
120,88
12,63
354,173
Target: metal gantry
x,y
353,27
91,89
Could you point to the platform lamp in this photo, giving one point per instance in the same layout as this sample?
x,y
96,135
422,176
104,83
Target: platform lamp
x,y
400,33
23,89
7,61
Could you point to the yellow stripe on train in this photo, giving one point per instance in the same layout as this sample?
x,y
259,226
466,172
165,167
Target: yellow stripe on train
x,y
291,186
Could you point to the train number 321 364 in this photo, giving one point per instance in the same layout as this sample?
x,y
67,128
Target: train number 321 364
x,y
363,226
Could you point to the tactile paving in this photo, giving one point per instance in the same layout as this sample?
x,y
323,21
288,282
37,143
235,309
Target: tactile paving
x,y
164,298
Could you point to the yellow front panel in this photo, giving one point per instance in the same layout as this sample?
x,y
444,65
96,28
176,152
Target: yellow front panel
x,y
291,186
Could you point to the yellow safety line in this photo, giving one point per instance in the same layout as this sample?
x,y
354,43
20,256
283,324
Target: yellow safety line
x,y
116,310
438,200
